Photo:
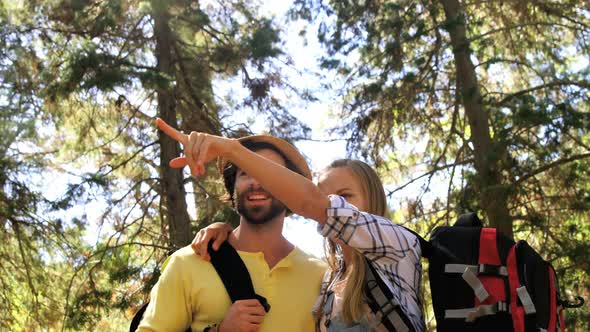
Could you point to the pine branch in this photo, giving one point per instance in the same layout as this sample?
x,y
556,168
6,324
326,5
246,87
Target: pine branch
x,y
580,84
208,117
522,25
25,261
430,173
550,166
126,161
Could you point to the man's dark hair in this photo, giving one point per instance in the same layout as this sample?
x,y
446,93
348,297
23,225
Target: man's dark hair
x,y
230,171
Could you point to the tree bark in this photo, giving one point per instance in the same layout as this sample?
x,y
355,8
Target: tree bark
x,y
173,195
493,193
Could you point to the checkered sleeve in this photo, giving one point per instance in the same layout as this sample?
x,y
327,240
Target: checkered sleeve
x,y
376,237
323,294
390,248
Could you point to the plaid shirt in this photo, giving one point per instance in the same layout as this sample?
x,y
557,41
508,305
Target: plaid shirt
x,y
392,250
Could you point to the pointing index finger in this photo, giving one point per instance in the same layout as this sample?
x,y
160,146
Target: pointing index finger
x,y
170,131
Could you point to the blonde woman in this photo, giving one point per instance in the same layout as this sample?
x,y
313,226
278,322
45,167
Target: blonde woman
x,y
358,241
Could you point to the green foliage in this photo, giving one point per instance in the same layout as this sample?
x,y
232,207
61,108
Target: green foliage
x,y
85,224
262,42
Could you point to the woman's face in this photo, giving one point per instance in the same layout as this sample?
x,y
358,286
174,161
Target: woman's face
x,y
343,182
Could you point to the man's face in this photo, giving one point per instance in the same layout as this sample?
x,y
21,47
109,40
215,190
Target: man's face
x,y
255,204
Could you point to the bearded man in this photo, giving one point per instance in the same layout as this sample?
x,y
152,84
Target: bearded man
x,y
189,292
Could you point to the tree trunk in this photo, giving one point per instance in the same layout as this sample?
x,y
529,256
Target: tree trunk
x,y
493,194
173,195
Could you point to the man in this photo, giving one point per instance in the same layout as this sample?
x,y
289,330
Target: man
x,y
190,293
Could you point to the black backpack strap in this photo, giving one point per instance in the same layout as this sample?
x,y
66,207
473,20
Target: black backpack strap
x,y
137,318
425,246
139,314
578,304
380,300
465,220
234,274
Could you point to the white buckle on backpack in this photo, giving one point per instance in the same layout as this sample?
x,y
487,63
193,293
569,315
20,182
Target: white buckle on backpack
x,y
526,300
471,314
470,276
473,281
395,320
460,268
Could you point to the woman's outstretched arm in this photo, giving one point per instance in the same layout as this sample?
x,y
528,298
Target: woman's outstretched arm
x,y
297,192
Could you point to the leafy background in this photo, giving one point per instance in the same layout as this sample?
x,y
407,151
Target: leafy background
x,y
472,105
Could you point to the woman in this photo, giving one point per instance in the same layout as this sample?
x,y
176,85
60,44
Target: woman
x,y
344,189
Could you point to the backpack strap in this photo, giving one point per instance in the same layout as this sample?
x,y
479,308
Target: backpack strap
x,y
234,274
380,300
425,246
489,254
471,314
137,317
139,314
465,220
517,311
487,278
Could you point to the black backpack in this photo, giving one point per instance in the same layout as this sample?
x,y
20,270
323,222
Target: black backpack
x,y
480,281
483,281
233,274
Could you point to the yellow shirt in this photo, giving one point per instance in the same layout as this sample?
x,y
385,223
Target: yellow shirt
x,y
189,292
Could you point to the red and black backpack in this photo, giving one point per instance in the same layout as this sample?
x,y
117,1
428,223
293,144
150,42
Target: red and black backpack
x,y
483,281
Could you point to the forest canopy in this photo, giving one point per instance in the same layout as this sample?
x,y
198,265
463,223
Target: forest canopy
x,y
478,106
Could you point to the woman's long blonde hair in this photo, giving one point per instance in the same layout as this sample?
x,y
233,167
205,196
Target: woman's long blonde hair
x,y
372,187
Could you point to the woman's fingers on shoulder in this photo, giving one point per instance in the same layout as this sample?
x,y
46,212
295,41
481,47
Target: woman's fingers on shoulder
x,y
205,244
199,246
219,240
196,243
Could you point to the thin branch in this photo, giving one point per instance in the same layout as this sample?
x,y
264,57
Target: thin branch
x,y
550,166
578,141
514,26
430,173
208,117
510,61
581,84
124,162
17,230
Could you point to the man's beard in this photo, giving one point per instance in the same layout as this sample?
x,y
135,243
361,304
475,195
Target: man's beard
x,y
256,214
